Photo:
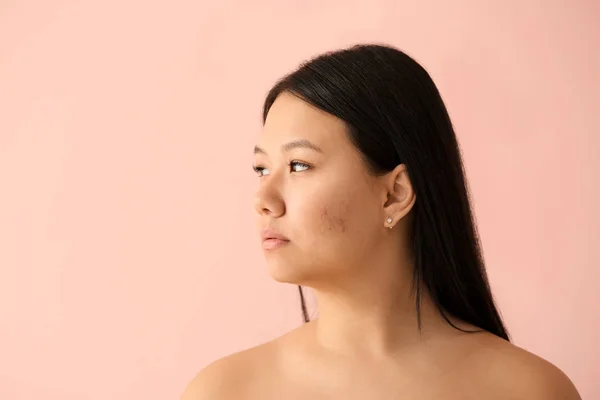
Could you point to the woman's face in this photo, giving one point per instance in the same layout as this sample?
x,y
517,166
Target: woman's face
x,y
315,190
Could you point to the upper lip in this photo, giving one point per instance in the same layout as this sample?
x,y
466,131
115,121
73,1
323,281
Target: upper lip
x,y
270,233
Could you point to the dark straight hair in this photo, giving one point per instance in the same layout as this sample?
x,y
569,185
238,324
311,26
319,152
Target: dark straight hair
x,y
395,115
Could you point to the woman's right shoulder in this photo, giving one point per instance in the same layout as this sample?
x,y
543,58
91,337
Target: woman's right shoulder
x,y
214,381
229,377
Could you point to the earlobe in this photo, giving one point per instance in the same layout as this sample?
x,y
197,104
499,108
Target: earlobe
x,y
389,222
400,195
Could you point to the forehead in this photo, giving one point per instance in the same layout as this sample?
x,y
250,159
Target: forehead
x,y
292,118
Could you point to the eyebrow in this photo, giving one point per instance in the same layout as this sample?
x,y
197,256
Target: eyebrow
x,y
295,144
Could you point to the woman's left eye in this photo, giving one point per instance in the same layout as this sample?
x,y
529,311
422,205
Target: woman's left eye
x,y
298,164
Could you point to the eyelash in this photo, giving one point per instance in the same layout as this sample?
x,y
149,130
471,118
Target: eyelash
x,y
258,169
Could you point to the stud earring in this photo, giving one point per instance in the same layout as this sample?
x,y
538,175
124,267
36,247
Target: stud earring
x,y
389,221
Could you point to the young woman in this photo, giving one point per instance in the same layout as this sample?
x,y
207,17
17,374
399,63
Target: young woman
x,y
363,198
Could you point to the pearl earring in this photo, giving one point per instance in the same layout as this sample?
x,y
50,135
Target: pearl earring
x,y
389,221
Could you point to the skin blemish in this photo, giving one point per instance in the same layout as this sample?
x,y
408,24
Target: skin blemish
x,y
334,221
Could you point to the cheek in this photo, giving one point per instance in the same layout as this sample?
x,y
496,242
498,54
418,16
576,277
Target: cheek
x,y
321,217
333,218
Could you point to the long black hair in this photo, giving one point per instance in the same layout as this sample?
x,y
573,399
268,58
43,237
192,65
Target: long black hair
x,y
395,115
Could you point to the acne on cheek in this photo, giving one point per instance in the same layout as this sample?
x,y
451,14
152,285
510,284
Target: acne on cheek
x,y
333,217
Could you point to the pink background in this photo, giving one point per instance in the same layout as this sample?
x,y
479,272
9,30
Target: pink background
x,y
128,258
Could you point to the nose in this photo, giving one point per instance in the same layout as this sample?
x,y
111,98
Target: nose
x,y
268,201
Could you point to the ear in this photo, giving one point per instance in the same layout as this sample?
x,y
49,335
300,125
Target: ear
x,y
399,195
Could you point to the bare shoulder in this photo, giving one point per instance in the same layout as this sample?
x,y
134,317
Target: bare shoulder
x,y
230,377
520,373
216,381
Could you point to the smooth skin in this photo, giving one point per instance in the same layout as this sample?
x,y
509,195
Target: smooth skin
x,y
365,344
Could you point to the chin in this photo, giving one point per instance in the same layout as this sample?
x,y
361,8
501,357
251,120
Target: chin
x,y
289,272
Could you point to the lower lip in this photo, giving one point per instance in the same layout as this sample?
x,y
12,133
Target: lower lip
x,y
272,244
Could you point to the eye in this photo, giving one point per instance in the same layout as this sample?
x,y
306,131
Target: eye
x,y
295,166
300,165
259,170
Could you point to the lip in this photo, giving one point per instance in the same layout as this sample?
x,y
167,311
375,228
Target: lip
x,y
269,233
272,239
272,244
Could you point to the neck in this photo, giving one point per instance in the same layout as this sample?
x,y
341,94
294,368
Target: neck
x,y
374,314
